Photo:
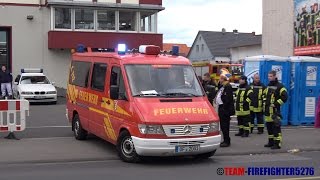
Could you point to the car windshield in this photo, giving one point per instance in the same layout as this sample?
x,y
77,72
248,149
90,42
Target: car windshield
x,y
34,80
163,80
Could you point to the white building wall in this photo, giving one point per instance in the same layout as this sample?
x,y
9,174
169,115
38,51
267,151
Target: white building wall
x,y
30,43
203,54
278,30
240,53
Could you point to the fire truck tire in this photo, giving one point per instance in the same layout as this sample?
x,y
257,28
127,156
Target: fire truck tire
x,y
79,132
205,155
126,150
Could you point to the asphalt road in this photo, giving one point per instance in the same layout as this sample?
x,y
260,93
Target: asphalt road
x,y
46,120
160,169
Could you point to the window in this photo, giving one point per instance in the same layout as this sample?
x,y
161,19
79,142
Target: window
x,y
84,19
148,21
98,76
62,18
127,20
106,20
202,47
197,48
34,80
117,81
79,73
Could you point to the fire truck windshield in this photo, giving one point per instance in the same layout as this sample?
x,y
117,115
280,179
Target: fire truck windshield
x,y
163,80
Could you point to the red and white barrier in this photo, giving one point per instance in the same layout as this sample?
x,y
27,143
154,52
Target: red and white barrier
x,y
9,109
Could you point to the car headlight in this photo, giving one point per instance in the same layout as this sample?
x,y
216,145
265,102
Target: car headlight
x,y
150,129
214,127
51,92
26,92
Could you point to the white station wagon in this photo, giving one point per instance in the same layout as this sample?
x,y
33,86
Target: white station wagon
x,y
34,86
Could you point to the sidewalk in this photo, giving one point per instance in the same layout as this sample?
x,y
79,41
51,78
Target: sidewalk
x,y
65,149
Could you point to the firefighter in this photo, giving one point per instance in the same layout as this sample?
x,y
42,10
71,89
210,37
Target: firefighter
x,y
210,87
257,102
243,101
274,96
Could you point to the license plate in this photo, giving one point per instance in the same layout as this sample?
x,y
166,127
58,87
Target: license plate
x,y
182,149
39,97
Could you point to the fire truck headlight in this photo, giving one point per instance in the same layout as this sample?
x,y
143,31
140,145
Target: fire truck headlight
x,y
214,127
150,129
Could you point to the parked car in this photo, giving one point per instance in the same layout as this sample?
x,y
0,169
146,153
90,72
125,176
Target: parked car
x,y
34,86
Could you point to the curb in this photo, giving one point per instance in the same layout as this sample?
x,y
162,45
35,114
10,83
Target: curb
x,y
279,151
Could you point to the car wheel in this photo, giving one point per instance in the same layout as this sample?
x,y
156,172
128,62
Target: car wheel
x,y
79,132
205,155
126,148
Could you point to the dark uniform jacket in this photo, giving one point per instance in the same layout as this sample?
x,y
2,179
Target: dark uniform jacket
x,y
257,97
243,100
5,77
227,99
275,94
211,89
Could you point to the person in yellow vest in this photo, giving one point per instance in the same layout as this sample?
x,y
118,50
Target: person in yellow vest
x,y
257,103
274,96
243,102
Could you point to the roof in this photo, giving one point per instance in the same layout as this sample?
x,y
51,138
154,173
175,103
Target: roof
x,y
137,58
250,41
266,58
183,48
218,42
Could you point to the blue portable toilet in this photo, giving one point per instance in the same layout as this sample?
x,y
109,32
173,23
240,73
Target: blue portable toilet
x,y
265,63
305,89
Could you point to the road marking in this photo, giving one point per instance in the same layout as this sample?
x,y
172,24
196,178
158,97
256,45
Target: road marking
x,y
316,177
39,127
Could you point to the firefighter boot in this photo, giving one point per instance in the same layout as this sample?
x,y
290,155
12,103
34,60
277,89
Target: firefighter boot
x,y
246,133
260,130
276,145
240,133
270,143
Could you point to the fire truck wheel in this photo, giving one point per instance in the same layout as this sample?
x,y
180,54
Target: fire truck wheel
x,y
79,132
205,155
126,148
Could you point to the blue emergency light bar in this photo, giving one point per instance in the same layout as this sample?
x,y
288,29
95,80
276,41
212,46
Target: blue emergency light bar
x,y
122,48
175,50
31,70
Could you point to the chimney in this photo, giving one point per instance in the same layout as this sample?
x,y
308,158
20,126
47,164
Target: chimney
x,y
253,33
223,30
235,31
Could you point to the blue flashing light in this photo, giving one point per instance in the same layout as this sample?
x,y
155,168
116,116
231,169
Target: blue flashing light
x,y
122,48
175,50
80,48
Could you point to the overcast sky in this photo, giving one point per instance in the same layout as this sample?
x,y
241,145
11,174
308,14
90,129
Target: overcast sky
x,y
182,19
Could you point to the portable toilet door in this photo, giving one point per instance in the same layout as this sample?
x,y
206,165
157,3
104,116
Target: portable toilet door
x,y
307,72
252,66
265,63
283,68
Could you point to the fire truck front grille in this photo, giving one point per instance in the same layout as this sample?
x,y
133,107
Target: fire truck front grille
x,y
186,130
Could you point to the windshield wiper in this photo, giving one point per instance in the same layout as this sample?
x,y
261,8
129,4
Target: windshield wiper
x,y
179,94
148,95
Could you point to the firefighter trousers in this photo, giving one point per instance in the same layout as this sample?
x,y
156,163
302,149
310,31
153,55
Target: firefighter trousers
x,y
225,125
274,133
244,123
260,121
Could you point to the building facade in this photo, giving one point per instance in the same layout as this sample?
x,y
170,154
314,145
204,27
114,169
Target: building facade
x,y
225,47
278,27
41,33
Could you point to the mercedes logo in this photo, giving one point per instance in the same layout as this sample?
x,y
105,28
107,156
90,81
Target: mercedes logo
x,y
187,130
